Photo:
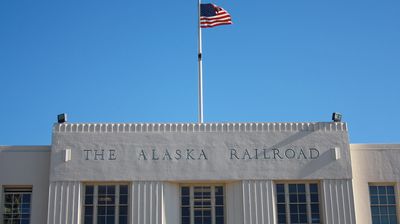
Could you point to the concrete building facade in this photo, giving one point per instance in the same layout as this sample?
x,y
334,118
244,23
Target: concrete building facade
x,y
211,173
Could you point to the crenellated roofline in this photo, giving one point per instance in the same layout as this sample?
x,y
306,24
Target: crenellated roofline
x,y
197,127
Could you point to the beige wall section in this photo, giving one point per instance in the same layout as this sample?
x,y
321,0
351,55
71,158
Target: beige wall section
x,y
171,203
373,163
337,202
28,166
234,203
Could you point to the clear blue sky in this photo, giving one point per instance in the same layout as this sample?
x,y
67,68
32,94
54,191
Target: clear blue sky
x,y
136,61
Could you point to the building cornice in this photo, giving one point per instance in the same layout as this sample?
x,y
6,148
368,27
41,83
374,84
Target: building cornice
x,y
197,127
374,147
27,148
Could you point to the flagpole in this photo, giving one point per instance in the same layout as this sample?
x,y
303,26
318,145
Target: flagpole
x,y
200,67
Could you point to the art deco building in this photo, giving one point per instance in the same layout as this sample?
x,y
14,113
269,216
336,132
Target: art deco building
x,y
211,173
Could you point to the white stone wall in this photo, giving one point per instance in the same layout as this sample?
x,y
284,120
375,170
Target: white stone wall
x,y
64,202
247,201
147,202
373,163
234,203
154,184
337,202
258,202
27,166
246,157
152,202
166,152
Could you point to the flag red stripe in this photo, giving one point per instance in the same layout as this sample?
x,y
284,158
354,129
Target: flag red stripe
x,y
222,17
215,24
217,21
216,17
207,20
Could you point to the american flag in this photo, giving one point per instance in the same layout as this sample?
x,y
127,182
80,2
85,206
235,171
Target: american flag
x,y
212,15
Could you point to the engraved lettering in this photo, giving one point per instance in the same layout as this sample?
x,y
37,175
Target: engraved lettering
x,y
234,154
167,155
276,153
87,153
99,154
142,155
154,155
302,154
203,154
178,154
246,153
112,155
256,154
314,153
189,155
290,153
265,154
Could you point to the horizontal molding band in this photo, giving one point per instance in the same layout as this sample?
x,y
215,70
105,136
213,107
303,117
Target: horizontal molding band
x,y
24,149
374,147
196,127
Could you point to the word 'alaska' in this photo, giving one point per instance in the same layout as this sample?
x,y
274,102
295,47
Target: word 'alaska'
x,y
188,154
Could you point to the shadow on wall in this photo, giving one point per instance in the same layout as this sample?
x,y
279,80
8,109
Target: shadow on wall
x,y
311,166
291,139
324,160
